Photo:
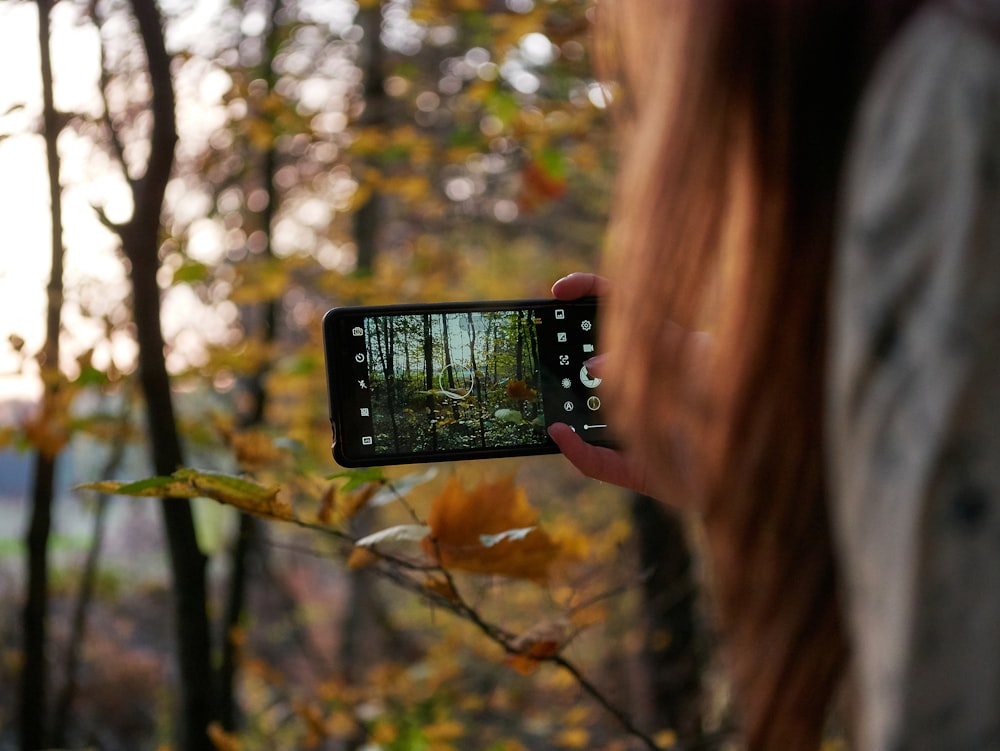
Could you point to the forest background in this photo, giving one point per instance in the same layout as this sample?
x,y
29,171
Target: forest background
x,y
218,175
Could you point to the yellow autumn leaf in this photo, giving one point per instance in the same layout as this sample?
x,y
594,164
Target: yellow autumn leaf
x,y
341,724
384,732
441,587
7,436
361,558
260,280
222,740
409,187
312,717
327,505
244,494
368,141
460,520
260,133
50,428
153,487
444,730
573,738
510,28
255,450
667,739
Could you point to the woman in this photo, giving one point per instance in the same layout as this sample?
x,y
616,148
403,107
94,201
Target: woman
x,y
839,439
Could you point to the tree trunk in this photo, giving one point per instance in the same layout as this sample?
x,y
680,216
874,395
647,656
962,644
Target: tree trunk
x,y
368,214
250,531
62,709
673,647
140,240
34,681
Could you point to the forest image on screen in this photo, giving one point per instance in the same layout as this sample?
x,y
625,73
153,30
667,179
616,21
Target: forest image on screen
x,y
445,381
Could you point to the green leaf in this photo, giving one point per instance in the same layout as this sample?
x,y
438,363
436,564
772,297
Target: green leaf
x,y
153,487
190,271
244,494
358,477
503,105
553,161
91,376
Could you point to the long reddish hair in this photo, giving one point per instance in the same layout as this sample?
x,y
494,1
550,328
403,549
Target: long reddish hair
x,y
735,117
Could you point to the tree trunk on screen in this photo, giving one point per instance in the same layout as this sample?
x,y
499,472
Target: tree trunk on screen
x,y
140,241
34,681
474,367
429,379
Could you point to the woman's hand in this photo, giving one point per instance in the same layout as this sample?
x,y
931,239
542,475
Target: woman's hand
x,y
597,462
600,462
580,284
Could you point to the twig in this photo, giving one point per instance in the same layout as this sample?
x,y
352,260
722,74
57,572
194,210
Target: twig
x,y
399,571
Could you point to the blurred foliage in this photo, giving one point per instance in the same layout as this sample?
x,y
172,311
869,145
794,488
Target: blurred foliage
x,y
480,128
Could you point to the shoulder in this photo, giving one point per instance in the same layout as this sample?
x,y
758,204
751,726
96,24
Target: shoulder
x,y
934,95
928,128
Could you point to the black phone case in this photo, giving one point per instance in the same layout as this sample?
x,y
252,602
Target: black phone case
x,y
394,401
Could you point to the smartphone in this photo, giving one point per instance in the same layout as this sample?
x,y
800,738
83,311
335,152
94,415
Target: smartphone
x,y
452,381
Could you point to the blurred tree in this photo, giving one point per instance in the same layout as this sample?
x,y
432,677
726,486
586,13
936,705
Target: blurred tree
x,y
140,239
674,644
34,710
261,323
333,152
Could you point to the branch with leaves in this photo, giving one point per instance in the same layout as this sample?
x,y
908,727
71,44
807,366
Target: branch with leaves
x,y
488,530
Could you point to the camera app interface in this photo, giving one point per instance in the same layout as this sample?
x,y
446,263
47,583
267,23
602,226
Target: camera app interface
x,y
446,381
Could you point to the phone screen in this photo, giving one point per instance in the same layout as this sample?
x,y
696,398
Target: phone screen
x,y
463,380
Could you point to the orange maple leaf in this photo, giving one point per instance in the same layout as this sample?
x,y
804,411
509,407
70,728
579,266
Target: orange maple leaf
x,y
491,529
520,391
535,645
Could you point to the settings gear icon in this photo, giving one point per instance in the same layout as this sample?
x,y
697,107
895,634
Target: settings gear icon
x,y
586,325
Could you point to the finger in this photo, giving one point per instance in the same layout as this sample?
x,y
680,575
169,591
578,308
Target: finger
x,y
596,462
580,284
596,365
